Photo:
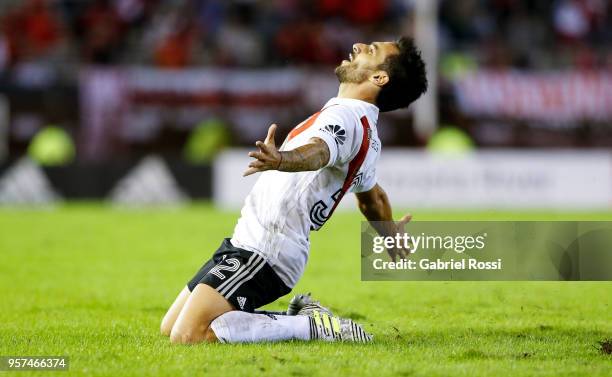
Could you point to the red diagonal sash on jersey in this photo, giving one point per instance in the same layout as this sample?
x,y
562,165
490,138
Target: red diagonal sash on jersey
x,y
355,164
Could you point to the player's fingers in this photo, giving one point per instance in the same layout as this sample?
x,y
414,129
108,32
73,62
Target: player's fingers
x,y
256,155
406,218
262,146
250,171
256,164
403,221
270,137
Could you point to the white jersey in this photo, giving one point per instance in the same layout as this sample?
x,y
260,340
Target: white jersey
x,y
282,208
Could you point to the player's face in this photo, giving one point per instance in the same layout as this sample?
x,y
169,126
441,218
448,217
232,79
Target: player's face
x,y
364,60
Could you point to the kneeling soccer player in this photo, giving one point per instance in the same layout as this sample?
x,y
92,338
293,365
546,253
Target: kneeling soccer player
x,y
332,152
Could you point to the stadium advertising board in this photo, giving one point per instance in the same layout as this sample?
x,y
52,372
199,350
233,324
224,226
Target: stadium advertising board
x,y
496,179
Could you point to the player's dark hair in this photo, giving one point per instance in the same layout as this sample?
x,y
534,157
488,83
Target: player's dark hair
x,y
407,77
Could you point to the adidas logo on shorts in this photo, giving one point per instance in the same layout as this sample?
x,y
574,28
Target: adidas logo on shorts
x,y
241,301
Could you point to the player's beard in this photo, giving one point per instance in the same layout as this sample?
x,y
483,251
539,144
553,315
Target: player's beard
x,y
347,73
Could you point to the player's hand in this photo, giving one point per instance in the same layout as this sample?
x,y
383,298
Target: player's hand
x,y
402,253
267,158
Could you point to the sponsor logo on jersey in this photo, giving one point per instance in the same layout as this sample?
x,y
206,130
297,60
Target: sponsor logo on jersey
x,y
337,132
241,301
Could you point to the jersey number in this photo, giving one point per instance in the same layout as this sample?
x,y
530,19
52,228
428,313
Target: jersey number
x,y
233,265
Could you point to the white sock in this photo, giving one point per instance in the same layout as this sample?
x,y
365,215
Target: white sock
x,y
242,327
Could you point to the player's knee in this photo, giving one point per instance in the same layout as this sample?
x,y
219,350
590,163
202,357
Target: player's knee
x,y
192,336
165,328
187,336
183,337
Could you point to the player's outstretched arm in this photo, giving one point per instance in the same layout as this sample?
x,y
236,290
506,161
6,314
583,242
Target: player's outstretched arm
x,y
375,206
311,156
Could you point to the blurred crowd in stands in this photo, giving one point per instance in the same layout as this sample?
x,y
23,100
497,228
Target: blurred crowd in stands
x,y
530,34
44,43
181,33
261,33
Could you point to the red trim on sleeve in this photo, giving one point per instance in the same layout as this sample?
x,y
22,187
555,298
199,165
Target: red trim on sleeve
x,y
306,124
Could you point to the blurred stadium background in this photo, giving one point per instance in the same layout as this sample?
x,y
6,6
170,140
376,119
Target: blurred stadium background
x,y
152,101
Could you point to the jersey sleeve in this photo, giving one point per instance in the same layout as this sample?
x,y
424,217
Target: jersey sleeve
x,y
337,131
365,182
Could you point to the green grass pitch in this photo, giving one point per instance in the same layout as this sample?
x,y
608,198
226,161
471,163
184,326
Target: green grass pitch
x,y
93,282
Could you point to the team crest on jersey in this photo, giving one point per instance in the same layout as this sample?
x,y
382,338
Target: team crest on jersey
x,y
337,132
